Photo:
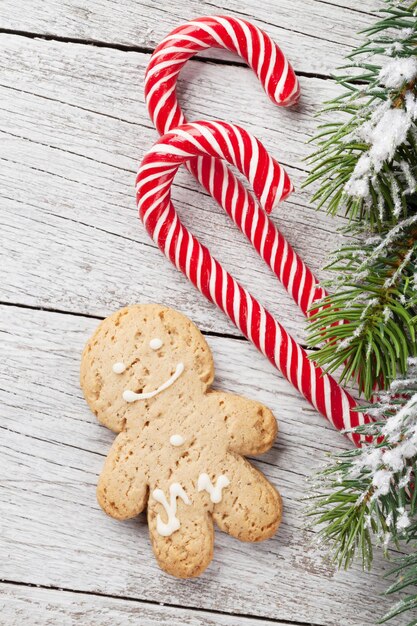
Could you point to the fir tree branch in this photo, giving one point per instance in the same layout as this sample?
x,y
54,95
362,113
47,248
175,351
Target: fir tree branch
x,y
406,573
368,327
377,99
368,495
366,167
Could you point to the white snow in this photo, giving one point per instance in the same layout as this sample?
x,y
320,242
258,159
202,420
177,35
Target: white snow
x,y
357,187
411,104
403,520
394,48
363,166
394,459
383,133
386,135
370,458
382,482
387,313
405,33
385,130
408,175
398,71
405,480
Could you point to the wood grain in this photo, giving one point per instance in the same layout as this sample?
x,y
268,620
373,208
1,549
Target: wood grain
x,y
314,34
54,534
73,130
48,607
71,148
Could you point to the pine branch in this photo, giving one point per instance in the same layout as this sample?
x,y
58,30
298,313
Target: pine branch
x,y
368,327
365,162
406,573
367,496
366,166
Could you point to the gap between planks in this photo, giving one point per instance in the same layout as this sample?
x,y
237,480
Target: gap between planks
x,y
90,128
257,618
206,333
140,49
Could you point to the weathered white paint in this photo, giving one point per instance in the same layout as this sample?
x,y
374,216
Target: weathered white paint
x,y
314,33
54,534
51,607
75,144
73,129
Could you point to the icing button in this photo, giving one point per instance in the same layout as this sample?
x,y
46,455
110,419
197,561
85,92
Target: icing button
x,y
176,440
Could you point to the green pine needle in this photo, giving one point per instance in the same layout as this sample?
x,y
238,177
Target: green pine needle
x,y
367,329
338,146
366,332
353,509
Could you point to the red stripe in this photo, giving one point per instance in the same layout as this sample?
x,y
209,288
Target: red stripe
x,y
242,159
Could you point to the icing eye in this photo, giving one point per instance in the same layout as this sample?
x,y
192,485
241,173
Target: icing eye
x,y
119,367
156,343
176,440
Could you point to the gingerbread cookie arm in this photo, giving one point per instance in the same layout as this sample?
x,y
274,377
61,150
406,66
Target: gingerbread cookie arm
x,y
188,550
98,378
251,426
250,508
122,490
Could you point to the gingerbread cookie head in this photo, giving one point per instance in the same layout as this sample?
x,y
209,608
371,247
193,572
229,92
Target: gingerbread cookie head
x,y
146,373
135,355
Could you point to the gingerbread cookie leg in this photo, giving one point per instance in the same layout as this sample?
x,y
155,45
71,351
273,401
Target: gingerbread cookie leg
x,y
250,508
122,489
251,426
187,551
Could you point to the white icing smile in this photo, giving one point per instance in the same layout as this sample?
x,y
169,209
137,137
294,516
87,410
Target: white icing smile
x,y
131,396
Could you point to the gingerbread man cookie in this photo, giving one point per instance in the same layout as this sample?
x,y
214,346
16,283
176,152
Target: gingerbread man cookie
x,y
146,373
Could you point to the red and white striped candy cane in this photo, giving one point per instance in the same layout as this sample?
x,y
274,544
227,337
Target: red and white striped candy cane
x,y
252,44
233,144
281,84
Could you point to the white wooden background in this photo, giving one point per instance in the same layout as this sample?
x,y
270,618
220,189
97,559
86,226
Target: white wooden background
x,y
73,129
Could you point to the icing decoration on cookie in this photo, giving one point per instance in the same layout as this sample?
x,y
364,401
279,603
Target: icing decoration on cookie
x,y
217,430
176,440
215,491
156,343
173,523
119,367
131,396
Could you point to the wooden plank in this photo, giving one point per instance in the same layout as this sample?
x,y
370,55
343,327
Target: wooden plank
x,y
72,139
371,7
314,34
110,83
33,606
54,534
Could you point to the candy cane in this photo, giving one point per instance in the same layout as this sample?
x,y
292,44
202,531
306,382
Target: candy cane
x,y
280,83
228,142
259,51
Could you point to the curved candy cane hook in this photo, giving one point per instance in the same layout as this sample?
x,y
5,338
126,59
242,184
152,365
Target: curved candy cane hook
x,y
229,142
280,83
259,51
